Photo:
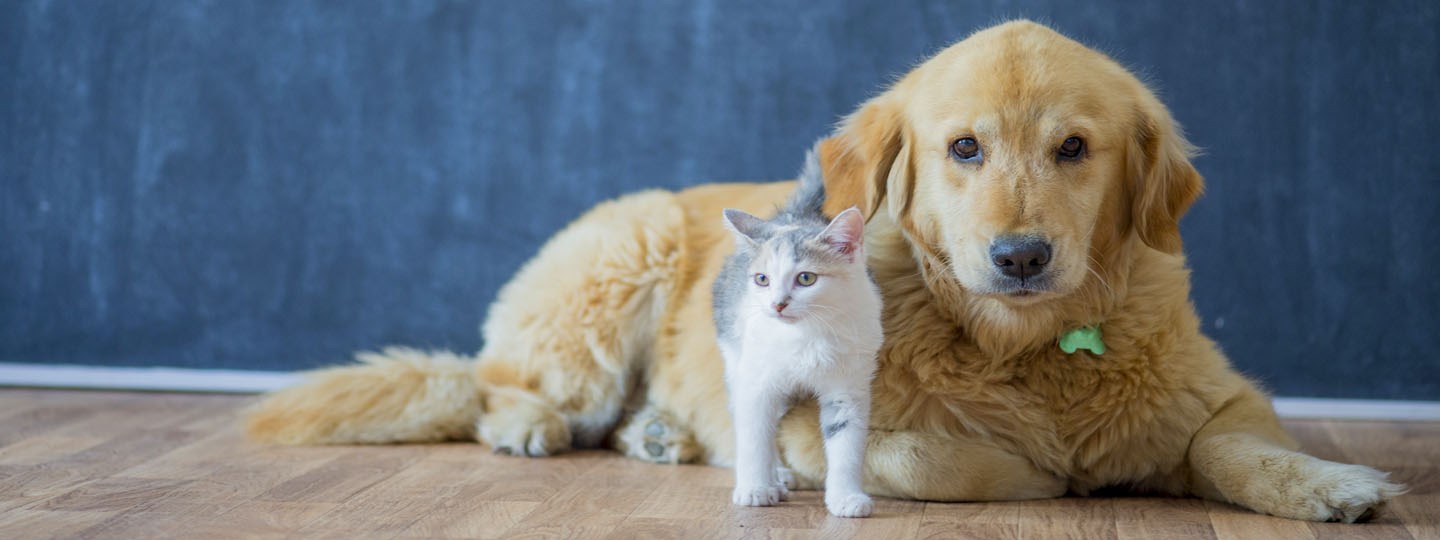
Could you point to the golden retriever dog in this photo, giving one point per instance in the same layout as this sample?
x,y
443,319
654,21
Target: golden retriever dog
x,y
1018,186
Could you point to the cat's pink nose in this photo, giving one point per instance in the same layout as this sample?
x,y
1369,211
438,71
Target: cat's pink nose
x,y
780,306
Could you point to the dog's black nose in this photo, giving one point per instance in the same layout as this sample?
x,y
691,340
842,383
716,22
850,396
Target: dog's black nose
x,y
1020,256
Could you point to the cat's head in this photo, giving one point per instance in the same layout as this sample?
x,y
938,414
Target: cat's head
x,y
797,271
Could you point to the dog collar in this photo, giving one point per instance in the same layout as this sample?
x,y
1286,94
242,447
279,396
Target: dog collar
x,y
1084,337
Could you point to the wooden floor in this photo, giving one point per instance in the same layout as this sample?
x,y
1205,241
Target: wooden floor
x,y
140,466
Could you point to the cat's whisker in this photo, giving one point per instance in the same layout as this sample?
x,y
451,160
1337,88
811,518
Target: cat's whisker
x,y
828,327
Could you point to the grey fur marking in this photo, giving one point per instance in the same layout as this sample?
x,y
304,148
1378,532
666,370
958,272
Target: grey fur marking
x,y
832,429
831,420
808,201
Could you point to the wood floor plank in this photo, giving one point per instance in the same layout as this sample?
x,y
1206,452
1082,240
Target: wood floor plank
x,y
1162,519
164,525
285,516
44,448
37,525
1234,523
142,412
1391,529
1316,439
133,465
72,470
691,491
1419,514
224,467
456,518
1070,517
341,478
1386,445
445,495
892,519
32,419
804,511
595,503
999,520
648,528
115,495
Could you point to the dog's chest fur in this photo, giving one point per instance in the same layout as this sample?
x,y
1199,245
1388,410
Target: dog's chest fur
x,y
1098,420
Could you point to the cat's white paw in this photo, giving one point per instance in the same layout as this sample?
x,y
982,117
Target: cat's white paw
x,y
759,495
851,505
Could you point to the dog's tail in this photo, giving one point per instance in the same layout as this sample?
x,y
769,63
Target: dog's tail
x,y
396,395
808,200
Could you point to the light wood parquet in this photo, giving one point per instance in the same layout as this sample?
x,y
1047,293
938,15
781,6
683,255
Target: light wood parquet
x,y
134,465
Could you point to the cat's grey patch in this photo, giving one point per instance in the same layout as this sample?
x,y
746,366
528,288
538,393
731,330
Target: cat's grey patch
x,y
809,199
831,421
655,449
830,430
655,429
816,249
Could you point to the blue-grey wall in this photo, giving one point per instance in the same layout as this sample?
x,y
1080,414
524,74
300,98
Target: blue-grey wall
x,y
274,184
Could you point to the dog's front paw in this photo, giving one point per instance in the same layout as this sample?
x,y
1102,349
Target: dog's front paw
x,y
759,495
1298,486
654,436
1347,493
785,477
851,505
524,430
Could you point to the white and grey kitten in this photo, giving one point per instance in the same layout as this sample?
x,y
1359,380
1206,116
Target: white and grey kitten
x,y
797,314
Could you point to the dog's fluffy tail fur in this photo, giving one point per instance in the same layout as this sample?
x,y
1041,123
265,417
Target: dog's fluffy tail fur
x,y
396,395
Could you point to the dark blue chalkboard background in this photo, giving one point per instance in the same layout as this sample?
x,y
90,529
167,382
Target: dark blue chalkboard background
x,y
274,184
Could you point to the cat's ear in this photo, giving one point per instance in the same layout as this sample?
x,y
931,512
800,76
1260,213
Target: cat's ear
x,y
745,226
846,233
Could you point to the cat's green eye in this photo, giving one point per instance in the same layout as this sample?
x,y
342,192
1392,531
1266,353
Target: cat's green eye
x,y
762,280
805,279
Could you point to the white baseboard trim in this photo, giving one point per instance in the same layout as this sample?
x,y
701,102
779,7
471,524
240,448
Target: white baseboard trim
x,y
1357,409
235,381
146,378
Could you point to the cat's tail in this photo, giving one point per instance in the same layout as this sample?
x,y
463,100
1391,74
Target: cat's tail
x,y
396,395
808,200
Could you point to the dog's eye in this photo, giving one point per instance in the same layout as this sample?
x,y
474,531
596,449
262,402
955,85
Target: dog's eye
x,y
966,149
1072,149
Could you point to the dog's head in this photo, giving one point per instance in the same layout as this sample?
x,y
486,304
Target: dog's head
x,y
1017,160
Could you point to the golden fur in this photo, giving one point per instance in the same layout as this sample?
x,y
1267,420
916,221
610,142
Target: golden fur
x,y
973,399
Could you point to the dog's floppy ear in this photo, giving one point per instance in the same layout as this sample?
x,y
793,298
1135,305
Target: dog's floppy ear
x,y
1163,183
862,160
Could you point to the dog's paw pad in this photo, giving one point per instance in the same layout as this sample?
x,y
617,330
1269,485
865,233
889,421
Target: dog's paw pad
x,y
655,437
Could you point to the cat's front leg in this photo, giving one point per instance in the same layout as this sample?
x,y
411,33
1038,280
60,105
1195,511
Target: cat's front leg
x,y
844,422
756,419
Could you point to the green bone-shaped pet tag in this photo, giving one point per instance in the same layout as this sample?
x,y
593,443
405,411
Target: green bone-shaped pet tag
x,y
1085,337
